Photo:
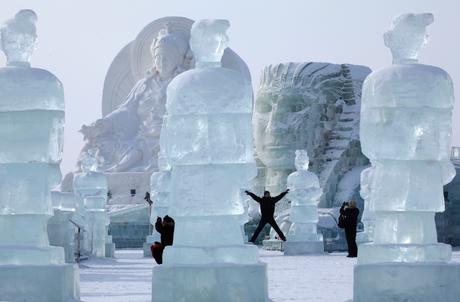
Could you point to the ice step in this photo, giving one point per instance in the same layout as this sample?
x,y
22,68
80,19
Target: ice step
x,y
338,142
346,119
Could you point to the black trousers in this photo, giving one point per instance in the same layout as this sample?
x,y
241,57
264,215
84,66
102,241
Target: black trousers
x,y
350,234
271,221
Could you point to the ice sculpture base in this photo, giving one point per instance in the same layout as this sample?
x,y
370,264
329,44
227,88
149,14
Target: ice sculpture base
x,y
241,254
110,250
303,247
378,253
272,245
210,283
399,282
39,283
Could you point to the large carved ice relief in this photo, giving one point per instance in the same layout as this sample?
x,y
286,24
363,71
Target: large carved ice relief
x,y
302,106
311,106
127,137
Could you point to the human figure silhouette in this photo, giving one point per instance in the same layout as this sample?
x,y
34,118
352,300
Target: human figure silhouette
x,y
351,213
267,209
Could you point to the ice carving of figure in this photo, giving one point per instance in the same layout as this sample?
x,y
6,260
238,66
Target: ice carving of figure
x,y
297,107
90,188
406,129
31,132
305,193
128,138
207,140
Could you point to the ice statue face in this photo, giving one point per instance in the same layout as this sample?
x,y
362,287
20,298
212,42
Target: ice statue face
x,y
166,60
209,40
280,123
19,37
407,35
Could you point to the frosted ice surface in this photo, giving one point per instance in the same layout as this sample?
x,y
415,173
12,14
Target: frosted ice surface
x,y
31,132
406,129
207,140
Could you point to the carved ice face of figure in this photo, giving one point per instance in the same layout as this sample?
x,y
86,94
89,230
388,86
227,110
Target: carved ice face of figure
x,y
166,60
301,160
18,37
280,121
209,40
169,51
407,36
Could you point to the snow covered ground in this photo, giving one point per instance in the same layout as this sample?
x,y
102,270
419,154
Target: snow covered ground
x,y
290,278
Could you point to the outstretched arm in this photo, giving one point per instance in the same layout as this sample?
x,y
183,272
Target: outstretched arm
x,y
279,197
253,196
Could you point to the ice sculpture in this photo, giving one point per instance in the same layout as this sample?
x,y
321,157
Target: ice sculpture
x,y
368,217
160,190
61,231
311,106
127,137
303,237
31,132
206,138
90,188
406,127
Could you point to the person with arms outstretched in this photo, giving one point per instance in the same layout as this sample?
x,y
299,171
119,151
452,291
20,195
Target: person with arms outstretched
x,y
267,209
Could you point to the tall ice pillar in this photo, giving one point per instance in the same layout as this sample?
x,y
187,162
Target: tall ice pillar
x,y
31,136
207,139
406,128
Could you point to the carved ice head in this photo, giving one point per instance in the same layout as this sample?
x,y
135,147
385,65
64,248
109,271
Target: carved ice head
x,y
19,37
301,160
289,106
169,51
209,39
407,35
89,162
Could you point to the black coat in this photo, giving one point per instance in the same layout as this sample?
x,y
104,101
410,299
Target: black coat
x,y
267,204
166,229
351,216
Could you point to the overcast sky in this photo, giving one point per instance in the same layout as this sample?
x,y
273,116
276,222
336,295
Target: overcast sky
x,y
79,39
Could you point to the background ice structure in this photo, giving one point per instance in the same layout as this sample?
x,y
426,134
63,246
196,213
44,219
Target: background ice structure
x,y
206,138
315,107
31,132
303,237
406,117
91,189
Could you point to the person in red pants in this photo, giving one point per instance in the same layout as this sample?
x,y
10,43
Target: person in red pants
x,y
165,227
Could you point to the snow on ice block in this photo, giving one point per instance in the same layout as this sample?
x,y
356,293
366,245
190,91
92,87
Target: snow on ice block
x,y
210,283
239,254
39,283
376,253
303,247
407,282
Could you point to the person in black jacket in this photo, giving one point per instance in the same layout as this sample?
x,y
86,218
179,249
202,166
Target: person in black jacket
x,y
166,229
351,213
267,209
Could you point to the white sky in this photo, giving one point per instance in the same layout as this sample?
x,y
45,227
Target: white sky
x,y
79,39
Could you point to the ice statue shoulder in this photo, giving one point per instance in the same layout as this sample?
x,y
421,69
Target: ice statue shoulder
x,y
33,88
208,42
426,92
